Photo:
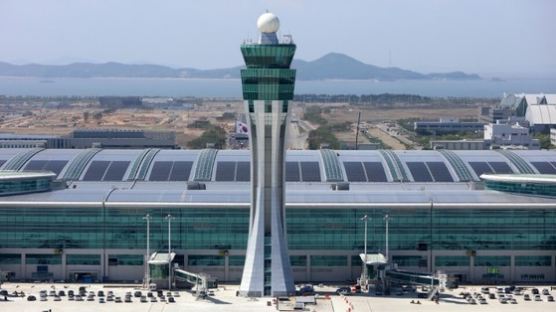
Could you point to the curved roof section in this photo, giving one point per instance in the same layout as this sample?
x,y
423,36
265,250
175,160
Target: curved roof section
x,y
541,114
302,166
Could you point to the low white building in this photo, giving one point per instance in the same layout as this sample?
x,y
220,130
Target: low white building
x,y
538,109
509,135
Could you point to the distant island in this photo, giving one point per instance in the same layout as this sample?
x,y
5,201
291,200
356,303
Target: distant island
x,y
330,66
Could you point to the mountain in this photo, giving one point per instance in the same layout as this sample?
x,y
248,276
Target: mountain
x,y
330,66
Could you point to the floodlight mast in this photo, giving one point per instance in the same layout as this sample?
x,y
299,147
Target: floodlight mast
x,y
365,279
148,273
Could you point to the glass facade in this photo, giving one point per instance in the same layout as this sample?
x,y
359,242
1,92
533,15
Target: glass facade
x,y
410,261
125,260
158,271
43,259
450,261
267,76
83,259
523,188
533,260
494,261
298,260
307,229
236,260
122,228
9,259
23,186
199,260
328,261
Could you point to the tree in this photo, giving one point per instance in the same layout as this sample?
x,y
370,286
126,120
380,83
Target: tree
x,y
213,135
323,135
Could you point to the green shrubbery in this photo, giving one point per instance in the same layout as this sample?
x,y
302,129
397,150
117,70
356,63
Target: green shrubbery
x,y
213,135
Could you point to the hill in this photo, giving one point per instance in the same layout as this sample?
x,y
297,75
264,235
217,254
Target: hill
x,y
330,66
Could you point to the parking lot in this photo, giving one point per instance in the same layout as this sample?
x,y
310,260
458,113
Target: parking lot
x,y
224,299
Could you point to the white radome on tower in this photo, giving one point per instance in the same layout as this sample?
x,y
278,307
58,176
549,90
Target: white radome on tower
x,y
268,23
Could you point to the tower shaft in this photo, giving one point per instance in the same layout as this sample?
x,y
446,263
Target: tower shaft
x,y
268,85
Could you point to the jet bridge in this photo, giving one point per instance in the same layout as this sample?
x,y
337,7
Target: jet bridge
x,y
384,274
201,281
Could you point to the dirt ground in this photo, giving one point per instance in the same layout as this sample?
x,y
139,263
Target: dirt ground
x,y
38,119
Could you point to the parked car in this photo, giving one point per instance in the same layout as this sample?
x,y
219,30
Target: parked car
x,y
128,300
545,292
307,290
550,298
31,298
137,294
485,290
171,300
101,300
534,291
143,299
491,296
538,298
526,297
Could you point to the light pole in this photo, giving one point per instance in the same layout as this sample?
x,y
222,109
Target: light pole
x,y
386,218
148,273
169,218
365,274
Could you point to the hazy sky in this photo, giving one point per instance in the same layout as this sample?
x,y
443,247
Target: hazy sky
x,y
489,37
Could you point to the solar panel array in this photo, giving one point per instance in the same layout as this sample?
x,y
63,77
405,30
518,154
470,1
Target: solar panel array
x,y
228,171
545,167
440,172
292,172
303,171
481,167
55,166
104,170
431,171
358,171
171,171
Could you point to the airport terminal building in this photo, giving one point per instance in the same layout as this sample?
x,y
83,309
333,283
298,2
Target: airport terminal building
x,y
77,214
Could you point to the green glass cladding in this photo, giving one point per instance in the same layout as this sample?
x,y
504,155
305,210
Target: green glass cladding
x,y
419,229
10,187
523,188
94,228
268,55
411,229
267,76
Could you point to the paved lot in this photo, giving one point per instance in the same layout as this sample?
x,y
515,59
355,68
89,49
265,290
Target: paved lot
x,y
224,299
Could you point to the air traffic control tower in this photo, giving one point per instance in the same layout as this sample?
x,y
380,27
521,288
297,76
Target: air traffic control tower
x,y
268,85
